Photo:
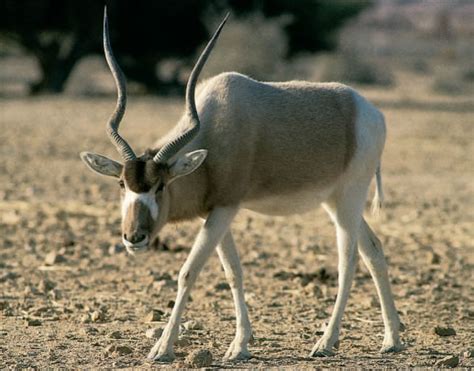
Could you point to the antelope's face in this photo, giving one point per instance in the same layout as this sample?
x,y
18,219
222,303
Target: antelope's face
x,y
144,191
144,181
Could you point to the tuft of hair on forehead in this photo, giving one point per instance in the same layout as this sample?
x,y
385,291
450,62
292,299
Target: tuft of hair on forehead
x,y
140,176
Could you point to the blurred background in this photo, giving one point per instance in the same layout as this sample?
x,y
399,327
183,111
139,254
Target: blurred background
x,y
54,46
69,294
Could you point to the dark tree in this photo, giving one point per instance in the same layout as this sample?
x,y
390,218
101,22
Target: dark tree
x,y
314,22
144,32
60,32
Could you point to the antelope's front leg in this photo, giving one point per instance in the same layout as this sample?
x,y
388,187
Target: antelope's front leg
x,y
233,271
209,236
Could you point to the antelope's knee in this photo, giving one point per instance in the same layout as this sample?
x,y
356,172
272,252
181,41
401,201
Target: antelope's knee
x,y
185,277
234,280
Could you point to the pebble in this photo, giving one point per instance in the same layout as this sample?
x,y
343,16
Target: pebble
x,y
123,349
33,322
449,361
321,329
193,325
222,286
154,315
115,335
45,285
171,304
29,290
119,349
116,249
434,258
444,331
199,358
9,276
96,316
55,294
91,331
468,353
182,342
54,258
154,333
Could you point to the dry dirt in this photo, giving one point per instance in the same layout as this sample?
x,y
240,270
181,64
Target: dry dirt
x,y
92,299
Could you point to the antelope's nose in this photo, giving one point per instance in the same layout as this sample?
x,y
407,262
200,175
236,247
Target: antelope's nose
x,y
134,238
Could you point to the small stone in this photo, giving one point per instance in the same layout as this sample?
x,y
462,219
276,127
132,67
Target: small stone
x,y
55,294
45,285
468,353
154,333
449,361
193,325
199,358
444,331
91,331
154,315
434,258
222,286
9,276
123,349
29,290
182,342
33,322
322,329
96,316
115,335
85,318
54,258
116,249
119,349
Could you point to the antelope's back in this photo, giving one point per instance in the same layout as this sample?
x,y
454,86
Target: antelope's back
x,y
272,139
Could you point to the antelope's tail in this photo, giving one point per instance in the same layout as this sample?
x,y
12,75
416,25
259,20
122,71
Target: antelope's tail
x,y
377,201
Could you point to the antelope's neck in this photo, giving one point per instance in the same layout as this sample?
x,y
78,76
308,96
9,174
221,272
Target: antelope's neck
x,y
188,196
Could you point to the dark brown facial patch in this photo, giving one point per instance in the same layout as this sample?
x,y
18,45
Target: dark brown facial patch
x,y
137,220
140,176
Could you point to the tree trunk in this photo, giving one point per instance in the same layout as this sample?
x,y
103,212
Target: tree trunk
x,y
56,59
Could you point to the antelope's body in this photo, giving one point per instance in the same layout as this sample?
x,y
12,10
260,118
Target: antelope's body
x,y
275,148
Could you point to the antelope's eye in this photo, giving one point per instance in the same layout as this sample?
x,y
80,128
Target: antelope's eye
x,y
121,184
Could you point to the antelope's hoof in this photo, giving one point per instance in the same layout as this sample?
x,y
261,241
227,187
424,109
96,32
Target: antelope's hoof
x,y
160,355
237,355
324,349
392,348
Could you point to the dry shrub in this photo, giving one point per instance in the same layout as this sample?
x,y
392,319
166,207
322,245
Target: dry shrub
x,y
453,80
253,45
352,68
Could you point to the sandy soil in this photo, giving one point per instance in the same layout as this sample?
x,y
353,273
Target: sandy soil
x,y
92,296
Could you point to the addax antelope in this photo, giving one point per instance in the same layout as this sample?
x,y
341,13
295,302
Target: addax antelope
x,y
272,147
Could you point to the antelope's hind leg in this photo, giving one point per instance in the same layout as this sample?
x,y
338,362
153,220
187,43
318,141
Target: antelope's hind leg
x,y
372,254
345,208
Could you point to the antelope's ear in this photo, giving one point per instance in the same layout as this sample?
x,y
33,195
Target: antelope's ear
x,y
187,163
101,165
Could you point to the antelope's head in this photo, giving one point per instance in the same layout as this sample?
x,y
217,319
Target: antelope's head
x,y
144,180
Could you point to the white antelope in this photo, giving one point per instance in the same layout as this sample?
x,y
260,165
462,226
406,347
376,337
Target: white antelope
x,y
275,148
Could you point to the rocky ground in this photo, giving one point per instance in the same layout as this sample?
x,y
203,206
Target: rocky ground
x,y
71,297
